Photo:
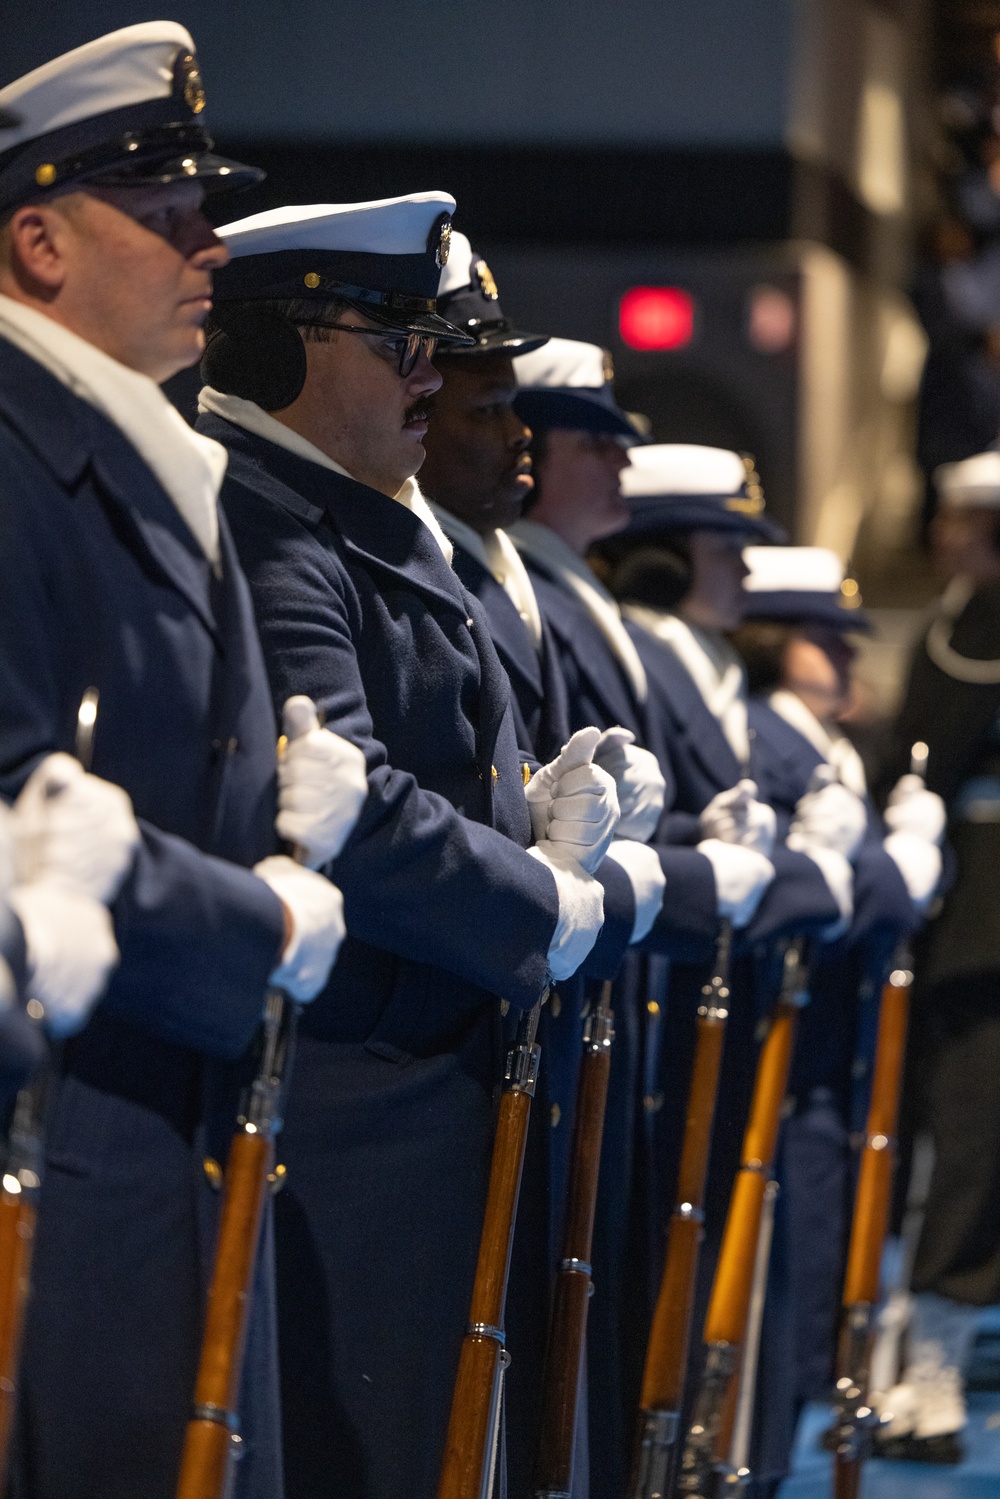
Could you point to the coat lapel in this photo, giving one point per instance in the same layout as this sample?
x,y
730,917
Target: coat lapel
x,y
577,634
691,722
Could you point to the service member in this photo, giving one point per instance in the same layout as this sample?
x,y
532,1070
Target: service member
x,y
798,619
319,376
952,702
127,594
477,475
582,442
679,573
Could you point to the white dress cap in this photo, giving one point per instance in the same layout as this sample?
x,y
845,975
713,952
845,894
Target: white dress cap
x,y
385,226
565,364
667,468
458,268
126,67
975,482
792,570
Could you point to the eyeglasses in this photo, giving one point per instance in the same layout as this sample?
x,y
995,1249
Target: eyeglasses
x,y
403,349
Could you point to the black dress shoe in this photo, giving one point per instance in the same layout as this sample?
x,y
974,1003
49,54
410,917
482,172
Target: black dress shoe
x,y
946,1449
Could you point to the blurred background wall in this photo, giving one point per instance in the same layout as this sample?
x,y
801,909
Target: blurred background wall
x,y
779,215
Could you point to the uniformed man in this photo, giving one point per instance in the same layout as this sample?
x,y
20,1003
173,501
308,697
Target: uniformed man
x,y
580,440
126,596
795,638
319,376
952,703
477,475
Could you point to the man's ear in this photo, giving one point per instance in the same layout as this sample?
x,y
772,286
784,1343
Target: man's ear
x,y
35,252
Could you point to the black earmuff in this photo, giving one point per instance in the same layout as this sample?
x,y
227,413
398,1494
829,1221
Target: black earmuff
x,y
657,576
257,354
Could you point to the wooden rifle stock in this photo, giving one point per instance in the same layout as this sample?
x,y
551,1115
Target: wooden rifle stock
x,y
854,1417
573,1288
729,1306
18,1208
670,1334
212,1438
470,1446
22,1179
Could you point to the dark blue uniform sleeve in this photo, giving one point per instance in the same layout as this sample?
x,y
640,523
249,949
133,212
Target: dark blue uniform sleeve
x,y
688,923
418,878
605,957
198,937
797,902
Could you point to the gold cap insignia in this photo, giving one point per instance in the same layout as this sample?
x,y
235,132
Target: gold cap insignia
x,y
486,281
45,175
311,279
444,246
609,365
752,503
850,594
194,89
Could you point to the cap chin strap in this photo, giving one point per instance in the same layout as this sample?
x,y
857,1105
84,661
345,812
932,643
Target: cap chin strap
x,y
259,356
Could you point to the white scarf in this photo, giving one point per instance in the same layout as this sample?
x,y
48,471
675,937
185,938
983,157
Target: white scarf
x,y
548,549
189,467
495,551
836,749
712,665
255,419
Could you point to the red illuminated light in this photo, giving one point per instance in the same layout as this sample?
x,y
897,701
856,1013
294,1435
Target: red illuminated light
x,y
656,317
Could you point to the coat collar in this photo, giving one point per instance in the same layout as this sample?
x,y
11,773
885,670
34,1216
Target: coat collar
x,y
68,437
385,536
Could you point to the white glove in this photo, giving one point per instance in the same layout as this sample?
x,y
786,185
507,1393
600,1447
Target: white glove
x,y
645,872
316,908
71,951
573,803
322,785
918,861
736,816
638,781
581,910
914,809
830,817
75,829
741,877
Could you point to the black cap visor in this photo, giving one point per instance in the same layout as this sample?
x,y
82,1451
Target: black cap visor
x,y
802,607
544,408
215,173
502,339
396,320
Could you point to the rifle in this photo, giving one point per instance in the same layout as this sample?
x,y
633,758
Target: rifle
x,y
474,1423
667,1351
854,1418
729,1306
573,1288
21,1184
212,1440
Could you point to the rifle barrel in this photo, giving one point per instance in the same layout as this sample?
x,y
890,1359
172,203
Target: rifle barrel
x,y
573,1287
670,1333
472,1427
854,1417
729,1306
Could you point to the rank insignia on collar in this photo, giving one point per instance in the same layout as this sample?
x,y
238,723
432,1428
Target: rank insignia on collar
x,y
486,281
189,82
441,258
